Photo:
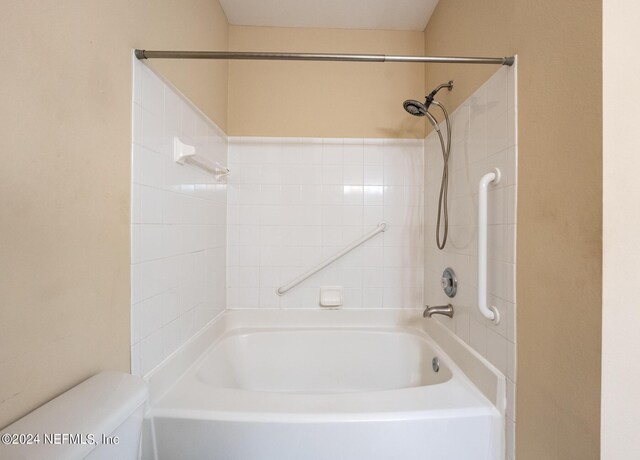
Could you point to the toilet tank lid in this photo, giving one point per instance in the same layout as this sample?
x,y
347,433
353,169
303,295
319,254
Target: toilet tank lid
x,y
98,405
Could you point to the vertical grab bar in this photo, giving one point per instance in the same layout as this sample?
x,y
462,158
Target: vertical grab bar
x,y
489,312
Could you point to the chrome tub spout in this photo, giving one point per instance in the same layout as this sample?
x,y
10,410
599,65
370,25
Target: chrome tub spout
x,y
446,310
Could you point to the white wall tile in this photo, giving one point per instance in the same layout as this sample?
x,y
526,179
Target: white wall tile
x,y
151,351
511,400
511,361
179,218
136,359
313,218
497,350
478,336
484,137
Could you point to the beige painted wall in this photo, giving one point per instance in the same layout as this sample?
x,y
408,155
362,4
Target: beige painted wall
x,y
64,300
323,99
621,215
66,132
559,286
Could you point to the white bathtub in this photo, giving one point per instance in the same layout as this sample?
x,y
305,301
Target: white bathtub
x,y
320,361
296,389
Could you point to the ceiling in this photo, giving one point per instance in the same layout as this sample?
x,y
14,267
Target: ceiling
x,y
332,14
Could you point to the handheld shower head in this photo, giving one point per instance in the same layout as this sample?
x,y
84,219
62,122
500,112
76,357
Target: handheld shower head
x,y
415,108
418,109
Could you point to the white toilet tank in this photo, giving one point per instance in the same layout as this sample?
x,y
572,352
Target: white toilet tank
x,y
101,418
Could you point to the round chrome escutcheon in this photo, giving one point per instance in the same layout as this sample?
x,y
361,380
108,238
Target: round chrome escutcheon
x,y
449,282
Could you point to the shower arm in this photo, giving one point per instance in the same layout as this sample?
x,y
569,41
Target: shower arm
x,y
277,56
448,85
432,94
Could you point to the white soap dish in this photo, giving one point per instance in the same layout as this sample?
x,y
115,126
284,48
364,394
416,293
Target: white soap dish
x,y
330,296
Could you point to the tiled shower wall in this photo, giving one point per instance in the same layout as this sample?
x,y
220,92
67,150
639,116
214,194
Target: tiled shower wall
x,y
178,223
484,137
294,202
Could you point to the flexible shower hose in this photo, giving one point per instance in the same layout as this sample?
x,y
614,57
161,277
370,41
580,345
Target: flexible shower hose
x,y
443,213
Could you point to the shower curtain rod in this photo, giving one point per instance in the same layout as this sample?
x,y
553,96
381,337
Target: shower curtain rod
x,y
269,56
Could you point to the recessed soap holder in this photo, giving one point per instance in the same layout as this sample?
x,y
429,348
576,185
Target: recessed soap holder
x,y
331,296
449,282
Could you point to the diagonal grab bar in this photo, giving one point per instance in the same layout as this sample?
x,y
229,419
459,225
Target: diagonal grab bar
x,y
382,226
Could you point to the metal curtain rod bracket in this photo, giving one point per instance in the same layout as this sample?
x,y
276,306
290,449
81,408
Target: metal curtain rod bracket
x,y
269,56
